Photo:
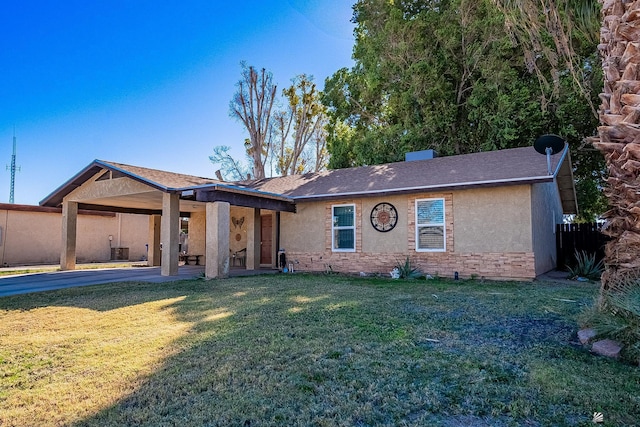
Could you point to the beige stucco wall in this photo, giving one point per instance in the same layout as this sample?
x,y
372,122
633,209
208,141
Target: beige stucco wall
x,y
197,224
32,237
304,230
108,188
484,220
493,219
488,234
546,208
241,219
374,241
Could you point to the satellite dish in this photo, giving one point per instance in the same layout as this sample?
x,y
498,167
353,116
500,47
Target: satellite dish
x,y
549,145
549,141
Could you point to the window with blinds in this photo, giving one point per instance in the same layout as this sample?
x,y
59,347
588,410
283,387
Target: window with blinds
x,y
430,226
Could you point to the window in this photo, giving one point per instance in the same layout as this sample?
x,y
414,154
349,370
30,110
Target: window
x,y
430,227
343,228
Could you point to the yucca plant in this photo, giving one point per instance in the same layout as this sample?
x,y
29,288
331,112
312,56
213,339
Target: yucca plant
x,y
408,271
586,266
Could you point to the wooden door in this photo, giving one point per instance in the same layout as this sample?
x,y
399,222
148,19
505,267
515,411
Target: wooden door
x,y
266,239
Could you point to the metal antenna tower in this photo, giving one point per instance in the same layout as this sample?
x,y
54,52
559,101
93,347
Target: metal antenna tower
x,y
13,169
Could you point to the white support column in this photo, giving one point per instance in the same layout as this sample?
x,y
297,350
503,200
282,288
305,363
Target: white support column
x,y
253,242
170,233
217,240
69,227
153,251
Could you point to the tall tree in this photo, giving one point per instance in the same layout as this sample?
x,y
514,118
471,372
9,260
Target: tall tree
x,y
301,122
443,75
448,75
252,105
551,35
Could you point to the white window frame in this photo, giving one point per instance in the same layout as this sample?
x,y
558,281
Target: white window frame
x,y
334,228
433,224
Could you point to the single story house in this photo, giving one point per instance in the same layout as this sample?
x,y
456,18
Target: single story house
x,y
488,214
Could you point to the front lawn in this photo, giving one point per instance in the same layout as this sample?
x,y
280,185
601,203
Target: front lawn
x,y
307,350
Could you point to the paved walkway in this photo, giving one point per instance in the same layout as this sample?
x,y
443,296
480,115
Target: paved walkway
x,y
38,282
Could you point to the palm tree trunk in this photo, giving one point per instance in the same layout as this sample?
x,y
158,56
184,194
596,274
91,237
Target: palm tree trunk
x,y
619,140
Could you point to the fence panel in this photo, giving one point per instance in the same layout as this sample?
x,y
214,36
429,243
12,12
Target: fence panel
x,y
578,237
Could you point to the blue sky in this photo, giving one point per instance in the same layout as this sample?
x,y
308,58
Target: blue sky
x,y
145,82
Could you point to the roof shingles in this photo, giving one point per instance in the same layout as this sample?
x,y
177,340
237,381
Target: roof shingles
x,y
505,166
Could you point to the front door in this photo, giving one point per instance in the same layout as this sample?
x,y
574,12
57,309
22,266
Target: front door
x,y
266,246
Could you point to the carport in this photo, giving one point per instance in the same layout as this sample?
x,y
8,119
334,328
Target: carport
x,y
166,197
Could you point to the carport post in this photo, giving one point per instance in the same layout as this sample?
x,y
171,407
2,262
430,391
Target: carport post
x,y
217,240
170,233
69,227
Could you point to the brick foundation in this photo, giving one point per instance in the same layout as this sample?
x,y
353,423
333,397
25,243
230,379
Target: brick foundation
x,y
501,266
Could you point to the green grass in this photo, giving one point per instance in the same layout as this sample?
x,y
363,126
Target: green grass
x,y
307,350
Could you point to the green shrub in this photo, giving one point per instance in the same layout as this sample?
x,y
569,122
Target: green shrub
x,y
408,271
618,318
586,266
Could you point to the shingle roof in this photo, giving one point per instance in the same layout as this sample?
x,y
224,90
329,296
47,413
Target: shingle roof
x,y
493,168
167,180
517,165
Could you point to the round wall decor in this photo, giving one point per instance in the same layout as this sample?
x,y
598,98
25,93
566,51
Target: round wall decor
x,y
384,217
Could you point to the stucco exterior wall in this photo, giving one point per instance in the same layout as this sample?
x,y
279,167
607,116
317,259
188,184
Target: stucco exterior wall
x,y
488,234
546,208
197,230
108,188
241,219
377,242
304,230
493,219
34,237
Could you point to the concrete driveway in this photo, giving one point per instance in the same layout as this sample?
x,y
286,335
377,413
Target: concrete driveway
x,y
38,282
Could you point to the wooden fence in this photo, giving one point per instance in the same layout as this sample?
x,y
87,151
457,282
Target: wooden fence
x,y
578,237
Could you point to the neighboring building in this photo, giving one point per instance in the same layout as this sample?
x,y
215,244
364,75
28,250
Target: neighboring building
x,y
31,235
490,214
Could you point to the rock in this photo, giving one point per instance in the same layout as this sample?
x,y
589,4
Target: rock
x,y
607,348
586,335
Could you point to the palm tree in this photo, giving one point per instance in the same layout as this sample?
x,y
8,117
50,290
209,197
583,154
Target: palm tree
x,y
619,140
619,134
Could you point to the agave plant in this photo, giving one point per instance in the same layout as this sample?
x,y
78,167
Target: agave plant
x,y
586,266
408,271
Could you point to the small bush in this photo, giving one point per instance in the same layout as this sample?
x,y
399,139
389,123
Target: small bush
x,y
407,271
586,266
618,318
